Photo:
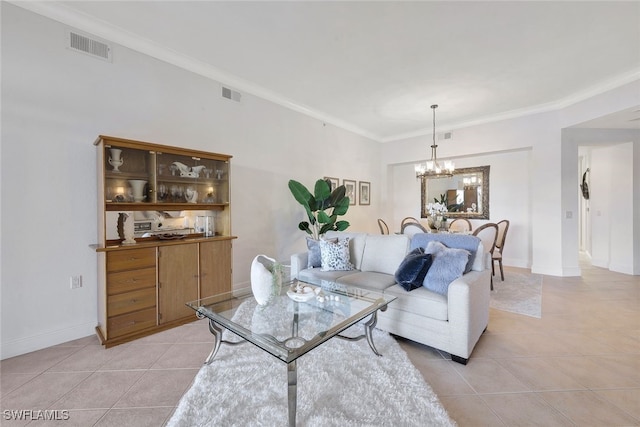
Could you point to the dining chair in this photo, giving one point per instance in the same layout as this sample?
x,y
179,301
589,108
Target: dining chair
x,y
460,225
411,228
384,228
488,233
503,227
408,220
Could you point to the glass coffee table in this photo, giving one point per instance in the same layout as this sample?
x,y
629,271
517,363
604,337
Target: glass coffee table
x,y
291,323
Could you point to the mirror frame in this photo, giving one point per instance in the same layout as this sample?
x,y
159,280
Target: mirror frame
x,y
424,199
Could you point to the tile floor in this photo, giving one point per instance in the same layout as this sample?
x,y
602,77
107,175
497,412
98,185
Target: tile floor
x,y
577,366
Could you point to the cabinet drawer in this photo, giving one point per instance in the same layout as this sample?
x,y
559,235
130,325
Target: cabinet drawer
x,y
125,281
131,301
131,259
132,322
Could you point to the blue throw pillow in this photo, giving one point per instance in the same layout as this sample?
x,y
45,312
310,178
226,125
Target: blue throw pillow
x,y
458,241
447,265
412,270
314,259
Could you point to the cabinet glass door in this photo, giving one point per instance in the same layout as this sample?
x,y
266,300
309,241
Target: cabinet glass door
x,y
128,175
190,179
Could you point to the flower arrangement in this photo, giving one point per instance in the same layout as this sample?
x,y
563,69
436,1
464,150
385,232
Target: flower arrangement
x,y
437,209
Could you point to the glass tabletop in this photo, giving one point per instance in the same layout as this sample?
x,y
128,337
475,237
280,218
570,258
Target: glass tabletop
x,y
288,327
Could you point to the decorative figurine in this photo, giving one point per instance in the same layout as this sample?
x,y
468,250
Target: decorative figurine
x,y
125,229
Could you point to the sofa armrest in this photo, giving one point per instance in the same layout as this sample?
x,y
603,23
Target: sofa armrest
x,y
468,308
299,262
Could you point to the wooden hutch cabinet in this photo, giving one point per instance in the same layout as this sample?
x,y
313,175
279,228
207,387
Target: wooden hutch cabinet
x,y
164,235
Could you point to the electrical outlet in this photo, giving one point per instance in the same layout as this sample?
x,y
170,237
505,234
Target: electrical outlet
x,y
76,282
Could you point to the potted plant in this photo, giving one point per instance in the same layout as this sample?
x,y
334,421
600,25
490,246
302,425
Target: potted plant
x,y
323,207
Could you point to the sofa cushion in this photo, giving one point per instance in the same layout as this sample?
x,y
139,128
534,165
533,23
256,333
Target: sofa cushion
x,y
384,253
447,265
314,259
356,245
420,301
457,241
413,268
316,275
335,255
368,280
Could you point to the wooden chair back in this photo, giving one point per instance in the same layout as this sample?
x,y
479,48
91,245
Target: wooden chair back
x,y
503,227
384,228
412,228
460,225
408,220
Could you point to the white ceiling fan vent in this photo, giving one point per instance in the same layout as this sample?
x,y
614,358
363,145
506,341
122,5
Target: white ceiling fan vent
x,y
88,45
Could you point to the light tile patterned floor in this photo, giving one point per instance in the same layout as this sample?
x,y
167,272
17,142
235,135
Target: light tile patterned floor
x,y
577,366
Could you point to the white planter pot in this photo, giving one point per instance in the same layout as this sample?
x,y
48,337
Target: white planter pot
x,y
264,283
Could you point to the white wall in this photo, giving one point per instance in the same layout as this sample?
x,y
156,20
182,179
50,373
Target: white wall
x,y
611,213
54,104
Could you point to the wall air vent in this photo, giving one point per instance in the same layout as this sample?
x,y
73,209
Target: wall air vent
x,y
88,45
231,94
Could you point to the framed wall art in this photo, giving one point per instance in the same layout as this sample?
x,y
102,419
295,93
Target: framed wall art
x,y
334,182
365,193
350,186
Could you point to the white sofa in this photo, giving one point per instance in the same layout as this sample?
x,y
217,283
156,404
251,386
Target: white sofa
x,y
452,323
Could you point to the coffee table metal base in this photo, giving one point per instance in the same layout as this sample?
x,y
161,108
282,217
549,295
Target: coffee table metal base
x,y
292,371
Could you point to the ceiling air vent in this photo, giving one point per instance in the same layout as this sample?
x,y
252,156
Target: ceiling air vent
x,y
234,95
88,45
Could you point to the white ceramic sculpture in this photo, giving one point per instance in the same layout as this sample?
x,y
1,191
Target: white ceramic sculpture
x,y
137,186
191,195
266,279
115,160
197,170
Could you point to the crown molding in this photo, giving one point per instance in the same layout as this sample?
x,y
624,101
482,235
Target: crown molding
x,y
109,32
572,99
68,16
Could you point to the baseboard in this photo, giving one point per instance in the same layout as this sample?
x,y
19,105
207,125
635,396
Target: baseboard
x,y
621,268
599,262
515,262
44,340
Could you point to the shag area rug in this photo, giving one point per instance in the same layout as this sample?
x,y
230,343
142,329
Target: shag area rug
x,y
519,293
340,383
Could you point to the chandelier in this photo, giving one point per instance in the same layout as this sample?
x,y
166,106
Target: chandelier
x,y
432,168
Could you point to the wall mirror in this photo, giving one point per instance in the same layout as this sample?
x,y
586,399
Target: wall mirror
x,y
466,193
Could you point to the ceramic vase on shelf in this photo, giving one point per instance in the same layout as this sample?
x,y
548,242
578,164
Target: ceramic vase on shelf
x,y
137,186
115,159
266,279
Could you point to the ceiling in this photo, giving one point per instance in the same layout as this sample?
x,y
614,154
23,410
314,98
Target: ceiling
x,y
375,67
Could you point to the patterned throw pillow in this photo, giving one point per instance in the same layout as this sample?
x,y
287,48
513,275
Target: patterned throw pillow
x,y
448,264
335,255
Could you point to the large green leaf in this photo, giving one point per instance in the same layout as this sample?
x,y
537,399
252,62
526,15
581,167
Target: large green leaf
x,y
337,195
342,207
325,228
300,192
323,218
322,190
341,225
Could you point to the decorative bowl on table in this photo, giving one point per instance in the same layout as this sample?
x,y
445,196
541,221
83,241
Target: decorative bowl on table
x,y
301,293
